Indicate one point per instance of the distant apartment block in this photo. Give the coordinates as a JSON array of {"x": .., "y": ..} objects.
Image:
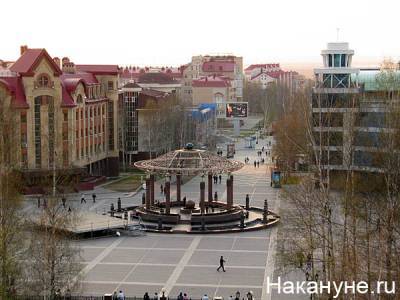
[
  {"x": 225, "y": 67},
  {"x": 266, "y": 74}
]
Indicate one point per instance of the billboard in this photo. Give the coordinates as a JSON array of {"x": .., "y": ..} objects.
[{"x": 236, "y": 110}]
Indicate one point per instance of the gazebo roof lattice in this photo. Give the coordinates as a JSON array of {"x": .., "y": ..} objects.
[{"x": 189, "y": 161}]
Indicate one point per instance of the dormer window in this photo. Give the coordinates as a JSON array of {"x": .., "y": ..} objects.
[
  {"x": 43, "y": 81},
  {"x": 79, "y": 99}
]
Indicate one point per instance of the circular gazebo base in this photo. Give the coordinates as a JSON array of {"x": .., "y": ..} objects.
[{"x": 219, "y": 219}]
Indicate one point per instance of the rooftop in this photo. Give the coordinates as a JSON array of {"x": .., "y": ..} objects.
[{"x": 211, "y": 81}]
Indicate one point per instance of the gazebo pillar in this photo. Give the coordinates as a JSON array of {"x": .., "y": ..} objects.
[
  {"x": 202, "y": 196},
  {"x": 229, "y": 200},
  {"x": 178, "y": 187},
  {"x": 152, "y": 189},
  {"x": 167, "y": 197},
  {"x": 147, "y": 193},
  {"x": 210, "y": 188},
  {"x": 231, "y": 178}
]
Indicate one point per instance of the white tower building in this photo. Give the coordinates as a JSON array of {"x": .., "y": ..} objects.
[{"x": 337, "y": 70}]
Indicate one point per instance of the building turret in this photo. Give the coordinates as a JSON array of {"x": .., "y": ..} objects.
[{"x": 336, "y": 71}]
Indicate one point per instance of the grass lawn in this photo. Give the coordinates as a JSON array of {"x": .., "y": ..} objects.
[{"x": 127, "y": 184}]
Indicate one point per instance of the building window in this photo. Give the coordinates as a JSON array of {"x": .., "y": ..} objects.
[
  {"x": 23, "y": 117},
  {"x": 110, "y": 85},
  {"x": 65, "y": 113},
  {"x": 43, "y": 81},
  {"x": 37, "y": 131},
  {"x": 343, "y": 60},
  {"x": 51, "y": 126},
  {"x": 330, "y": 60},
  {"x": 111, "y": 126},
  {"x": 79, "y": 99}
]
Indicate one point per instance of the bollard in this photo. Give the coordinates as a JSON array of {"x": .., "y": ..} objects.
[
  {"x": 241, "y": 219},
  {"x": 159, "y": 224},
  {"x": 112, "y": 209},
  {"x": 265, "y": 212},
  {"x": 119, "y": 204}
]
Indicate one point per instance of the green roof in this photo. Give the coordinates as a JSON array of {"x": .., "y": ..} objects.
[{"x": 376, "y": 80}]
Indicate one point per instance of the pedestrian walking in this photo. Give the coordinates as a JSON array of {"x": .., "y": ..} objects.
[
  {"x": 94, "y": 198},
  {"x": 250, "y": 295},
  {"x": 184, "y": 201},
  {"x": 161, "y": 189},
  {"x": 156, "y": 297},
  {"x": 262, "y": 149},
  {"x": 83, "y": 198},
  {"x": 205, "y": 297},
  {"x": 216, "y": 196},
  {"x": 146, "y": 296},
  {"x": 255, "y": 164},
  {"x": 221, "y": 264},
  {"x": 163, "y": 297},
  {"x": 115, "y": 295},
  {"x": 63, "y": 200},
  {"x": 220, "y": 178},
  {"x": 69, "y": 209},
  {"x": 180, "y": 296},
  {"x": 121, "y": 296},
  {"x": 258, "y": 164},
  {"x": 38, "y": 202},
  {"x": 143, "y": 198},
  {"x": 185, "y": 296}
]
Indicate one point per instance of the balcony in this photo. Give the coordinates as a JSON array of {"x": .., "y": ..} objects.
[{"x": 37, "y": 85}]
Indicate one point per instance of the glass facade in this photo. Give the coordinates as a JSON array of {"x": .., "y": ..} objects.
[
  {"x": 130, "y": 121},
  {"x": 37, "y": 131},
  {"x": 51, "y": 130},
  {"x": 110, "y": 126}
]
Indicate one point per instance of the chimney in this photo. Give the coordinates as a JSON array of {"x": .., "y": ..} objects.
[
  {"x": 23, "y": 49},
  {"x": 57, "y": 61},
  {"x": 68, "y": 66}
]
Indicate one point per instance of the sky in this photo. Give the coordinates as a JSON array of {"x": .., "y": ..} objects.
[{"x": 169, "y": 32}]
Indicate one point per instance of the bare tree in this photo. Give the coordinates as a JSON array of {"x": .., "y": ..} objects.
[
  {"x": 11, "y": 249},
  {"x": 54, "y": 259}
]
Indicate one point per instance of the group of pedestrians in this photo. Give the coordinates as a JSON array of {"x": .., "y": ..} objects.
[
  {"x": 184, "y": 296},
  {"x": 216, "y": 178},
  {"x": 83, "y": 199},
  {"x": 118, "y": 296}
]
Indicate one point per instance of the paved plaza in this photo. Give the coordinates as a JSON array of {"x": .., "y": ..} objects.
[
  {"x": 182, "y": 262},
  {"x": 188, "y": 263}
]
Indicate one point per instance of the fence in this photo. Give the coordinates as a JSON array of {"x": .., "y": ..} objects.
[{"x": 81, "y": 298}]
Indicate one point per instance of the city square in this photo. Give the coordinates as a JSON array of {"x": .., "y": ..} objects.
[
  {"x": 188, "y": 263},
  {"x": 199, "y": 150}
]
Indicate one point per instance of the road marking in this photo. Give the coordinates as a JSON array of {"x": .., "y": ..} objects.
[
  {"x": 181, "y": 265},
  {"x": 98, "y": 258},
  {"x": 270, "y": 264}
]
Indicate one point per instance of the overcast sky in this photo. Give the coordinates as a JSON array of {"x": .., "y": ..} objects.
[{"x": 169, "y": 32}]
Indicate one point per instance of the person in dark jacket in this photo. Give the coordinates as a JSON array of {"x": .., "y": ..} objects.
[{"x": 221, "y": 264}]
